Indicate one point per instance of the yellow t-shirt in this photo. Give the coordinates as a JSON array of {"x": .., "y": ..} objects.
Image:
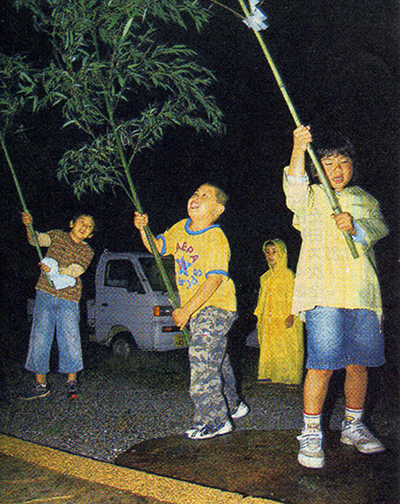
[{"x": 198, "y": 254}]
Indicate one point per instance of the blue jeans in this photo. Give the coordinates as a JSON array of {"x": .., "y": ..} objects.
[
  {"x": 57, "y": 314},
  {"x": 338, "y": 337}
]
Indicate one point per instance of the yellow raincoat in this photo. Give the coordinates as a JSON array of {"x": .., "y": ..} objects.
[{"x": 281, "y": 348}]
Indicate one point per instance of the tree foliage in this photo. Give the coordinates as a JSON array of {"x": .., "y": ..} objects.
[
  {"x": 17, "y": 87},
  {"x": 117, "y": 82}
]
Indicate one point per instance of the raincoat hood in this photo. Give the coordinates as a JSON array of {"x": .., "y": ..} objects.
[{"x": 281, "y": 253}]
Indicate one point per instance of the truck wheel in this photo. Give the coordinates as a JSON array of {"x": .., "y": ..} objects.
[{"x": 123, "y": 346}]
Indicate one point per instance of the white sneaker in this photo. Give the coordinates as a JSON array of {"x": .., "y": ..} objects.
[
  {"x": 240, "y": 410},
  {"x": 356, "y": 433},
  {"x": 208, "y": 431},
  {"x": 311, "y": 453},
  {"x": 194, "y": 429}
]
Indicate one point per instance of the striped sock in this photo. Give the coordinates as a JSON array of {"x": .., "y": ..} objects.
[
  {"x": 353, "y": 415},
  {"x": 313, "y": 421}
]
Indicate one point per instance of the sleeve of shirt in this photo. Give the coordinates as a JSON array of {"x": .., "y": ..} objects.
[
  {"x": 74, "y": 270},
  {"x": 372, "y": 225},
  {"x": 261, "y": 298},
  {"x": 168, "y": 239},
  {"x": 84, "y": 258},
  {"x": 219, "y": 255},
  {"x": 44, "y": 239},
  {"x": 164, "y": 244},
  {"x": 298, "y": 192},
  {"x": 360, "y": 236}
]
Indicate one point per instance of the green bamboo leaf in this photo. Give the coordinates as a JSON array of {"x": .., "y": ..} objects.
[
  {"x": 127, "y": 27},
  {"x": 123, "y": 92}
]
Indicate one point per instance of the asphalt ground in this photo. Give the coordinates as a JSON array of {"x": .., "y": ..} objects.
[
  {"x": 30, "y": 473},
  {"x": 245, "y": 467}
]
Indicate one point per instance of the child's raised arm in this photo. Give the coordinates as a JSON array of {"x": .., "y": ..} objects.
[
  {"x": 141, "y": 221},
  {"x": 43, "y": 239},
  {"x": 301, "y": 138}
]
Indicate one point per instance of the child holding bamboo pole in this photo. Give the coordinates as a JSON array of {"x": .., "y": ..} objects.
[
  {"x": 208, "y": 300},
  {"x": 58, "y": 292},
  {"x": 338, "y": 296}
]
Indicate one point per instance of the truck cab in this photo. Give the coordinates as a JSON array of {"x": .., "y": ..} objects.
[{"x": 131, "y": 308}]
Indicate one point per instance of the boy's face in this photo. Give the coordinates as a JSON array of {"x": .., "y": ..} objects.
[
  {"x": 271, "y": 255},
  {"x": 82, "y": 228},
  {"x": 338, "y": 169},
  {"x": 203, "y": 205}
]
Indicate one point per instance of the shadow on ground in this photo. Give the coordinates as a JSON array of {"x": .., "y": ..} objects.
[{"x": 263, "y": 464}]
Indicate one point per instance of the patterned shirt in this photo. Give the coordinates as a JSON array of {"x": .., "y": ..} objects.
[
  {"x": 327, "y": 274},
  {"x": 199, "y": 254},
  {"x": 65, "y": 251}
]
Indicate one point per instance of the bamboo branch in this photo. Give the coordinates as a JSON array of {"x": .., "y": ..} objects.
[
  {"x": 138, "y": 206},
  {"x": 334, "y": 202}
]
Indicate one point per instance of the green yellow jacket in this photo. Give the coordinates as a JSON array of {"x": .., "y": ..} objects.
[{"x": 327, "y": 274}]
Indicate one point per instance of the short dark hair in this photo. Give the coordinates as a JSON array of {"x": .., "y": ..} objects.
[
  {"x": 77, "y": 215},
  {"x": 220, "y": 195},
  {"x": 330, "y": 142}
]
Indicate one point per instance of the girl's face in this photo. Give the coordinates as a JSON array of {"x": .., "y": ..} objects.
[
  {"x": 271, "y": 255},
  {"x": 338, "y": 169}
]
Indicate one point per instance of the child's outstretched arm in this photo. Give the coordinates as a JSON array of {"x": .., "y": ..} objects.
[
  {"x": 301, "y": 138},
  {"x": 182, "y": 315},
  {"x": 141, "y": 221}
]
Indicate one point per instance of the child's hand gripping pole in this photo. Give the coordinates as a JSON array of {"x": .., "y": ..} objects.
[{"x": 320, "y": 171}]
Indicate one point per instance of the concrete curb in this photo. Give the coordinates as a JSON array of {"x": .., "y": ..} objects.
[{"x": 137, "y": 482}]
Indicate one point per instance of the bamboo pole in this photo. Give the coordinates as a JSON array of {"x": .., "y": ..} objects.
[
  {"x": 24, "y": 207},
  {"x": 334, "y": 202},
  {"x": 149, "y": 234},
  {"x": 160, "y": 265}
]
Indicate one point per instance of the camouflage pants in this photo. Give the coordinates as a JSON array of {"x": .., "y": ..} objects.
[{"x": 212, "y": 383}]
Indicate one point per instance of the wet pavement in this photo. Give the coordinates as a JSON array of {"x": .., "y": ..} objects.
[
  {"x": 246, "y": 467},
  {"x": 264, "y": 464},
  {"x": 34, "y": 474}
]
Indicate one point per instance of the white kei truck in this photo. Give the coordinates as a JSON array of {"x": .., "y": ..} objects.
[{"x": 131, "y": 309}]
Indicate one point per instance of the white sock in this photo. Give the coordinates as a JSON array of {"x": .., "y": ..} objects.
[
  {"x": 353, "y": 415},
  {"x": 313, "y": 421}
]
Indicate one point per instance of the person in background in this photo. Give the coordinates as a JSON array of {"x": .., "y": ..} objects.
[
  {"x": 280, "y": 334},
  {"x": 58, "y": 292},
  {"x": 338, "y": 294}
]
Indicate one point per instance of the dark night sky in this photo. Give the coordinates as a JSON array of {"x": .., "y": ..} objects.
[{"x": 339, "y": 60}]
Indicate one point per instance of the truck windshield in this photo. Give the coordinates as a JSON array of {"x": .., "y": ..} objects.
[{"x": 153, "y": 274}]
